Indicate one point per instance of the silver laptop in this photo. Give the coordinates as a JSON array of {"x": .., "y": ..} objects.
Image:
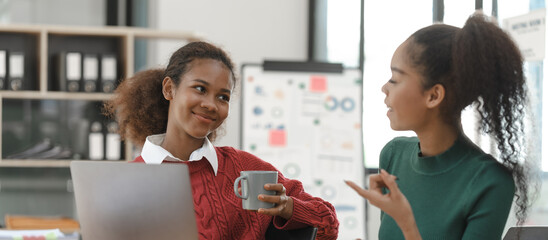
[
  {"x": 527, "y": 233},
  {"x": 120, "y": 200}
]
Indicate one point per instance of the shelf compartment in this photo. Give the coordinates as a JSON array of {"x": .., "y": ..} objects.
[
  {"x": 25, "y": 44},
  {"x": 57, "y": 127},
  {"x": 97, "y": 46}
]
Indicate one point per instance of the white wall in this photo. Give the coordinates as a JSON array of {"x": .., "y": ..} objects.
[
  {"x": 82, "y": 12},
  {"x": 249, "y": 30}
]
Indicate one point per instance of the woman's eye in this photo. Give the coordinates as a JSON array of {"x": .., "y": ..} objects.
[
  {"x": 391, "y": 81},
  {"x": 200, "y": 88},
  {"x": 224, "y": 98}
]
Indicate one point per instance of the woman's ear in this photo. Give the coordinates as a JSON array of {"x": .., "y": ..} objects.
[
  {"x": 435, "y": 95},
  {"x": 167, "y": 88}
]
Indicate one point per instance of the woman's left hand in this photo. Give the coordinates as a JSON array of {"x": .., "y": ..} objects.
[
  {"x": 393, "y": 203},
  {"x": 283, "y": 204}
]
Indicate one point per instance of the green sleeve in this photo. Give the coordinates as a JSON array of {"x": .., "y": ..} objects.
[
  {"x": 386, "y": 155},
  {"x": 491, "y": 195}
]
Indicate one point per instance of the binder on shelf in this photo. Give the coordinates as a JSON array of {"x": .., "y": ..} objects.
[
  {"x": 96, "y": 142},
  {"x": 3, "y": 69},
  {"x": 70, "y": 71},
  {"x": 16, "y": 70},
  {"x": 90, "y": 72},
  {"x": 108, "y": 73},
  {"x": 113, "y": 144},
  {"x": 73, "y": 71}
]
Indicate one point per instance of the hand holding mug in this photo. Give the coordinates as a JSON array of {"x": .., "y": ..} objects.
[
  {"x": 283, "y": 203},
  {"x": 261, "y": 192}
]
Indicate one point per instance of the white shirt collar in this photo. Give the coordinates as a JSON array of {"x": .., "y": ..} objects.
[{"x": 154, "y": 153}]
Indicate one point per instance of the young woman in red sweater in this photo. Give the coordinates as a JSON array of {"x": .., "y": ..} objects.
[{"x": 175, "y": 113}]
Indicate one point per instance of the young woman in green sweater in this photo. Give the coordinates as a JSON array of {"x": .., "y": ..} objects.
[{"x": 440, "y": 185}]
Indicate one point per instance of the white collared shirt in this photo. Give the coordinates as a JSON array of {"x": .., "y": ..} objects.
[{"x": 154, "y": 153}]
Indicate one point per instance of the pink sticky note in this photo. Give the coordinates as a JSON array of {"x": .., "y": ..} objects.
[
  {"x": 34, "y": 238},
  {"x": 277, "y": 138},
  {"x": 318, "y": 84}
]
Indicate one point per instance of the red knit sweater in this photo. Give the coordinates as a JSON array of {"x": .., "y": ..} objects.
[{"x": 219, "y": 213}]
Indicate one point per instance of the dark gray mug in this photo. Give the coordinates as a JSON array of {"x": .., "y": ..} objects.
[{"x": 252, "y": 185}]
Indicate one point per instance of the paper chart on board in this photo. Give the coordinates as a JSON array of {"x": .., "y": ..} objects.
[{"x": 308, "y": 125}]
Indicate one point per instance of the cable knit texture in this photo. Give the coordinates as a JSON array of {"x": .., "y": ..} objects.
[{"x": 219, "y": 213}]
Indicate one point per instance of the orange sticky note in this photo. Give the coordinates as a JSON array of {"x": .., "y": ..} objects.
[
  {"x": 318, "y": 84},
  {"x": 277, "y": 138}
]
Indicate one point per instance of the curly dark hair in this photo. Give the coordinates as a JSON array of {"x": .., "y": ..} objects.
[
  {"x": 139, "y": 106},
  {"x": 480, "y": 64}
]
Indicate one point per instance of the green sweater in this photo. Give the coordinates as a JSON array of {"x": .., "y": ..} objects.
[{"x": 462, "y": 193}]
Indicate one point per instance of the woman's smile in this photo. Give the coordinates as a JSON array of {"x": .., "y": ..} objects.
[{"x": 204, "y": 117}]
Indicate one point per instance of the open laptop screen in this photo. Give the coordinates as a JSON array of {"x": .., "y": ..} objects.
[{"x": 120, "y": 200}]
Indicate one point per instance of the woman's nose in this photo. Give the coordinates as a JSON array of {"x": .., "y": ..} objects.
[
  {"x": 209, "y": 104},
  {"x": 383, "y": 89}
]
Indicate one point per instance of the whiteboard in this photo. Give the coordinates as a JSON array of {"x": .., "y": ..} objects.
[{"x": 308, "y": 125}]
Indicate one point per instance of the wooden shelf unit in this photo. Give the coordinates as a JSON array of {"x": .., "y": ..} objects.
[{"x": 42, "y": 34}]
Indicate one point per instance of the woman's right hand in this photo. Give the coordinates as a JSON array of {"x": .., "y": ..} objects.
[{"x": 394, "y": 203}]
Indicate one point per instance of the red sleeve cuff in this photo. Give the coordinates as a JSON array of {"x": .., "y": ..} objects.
[{"x": 297, "y": 219}]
